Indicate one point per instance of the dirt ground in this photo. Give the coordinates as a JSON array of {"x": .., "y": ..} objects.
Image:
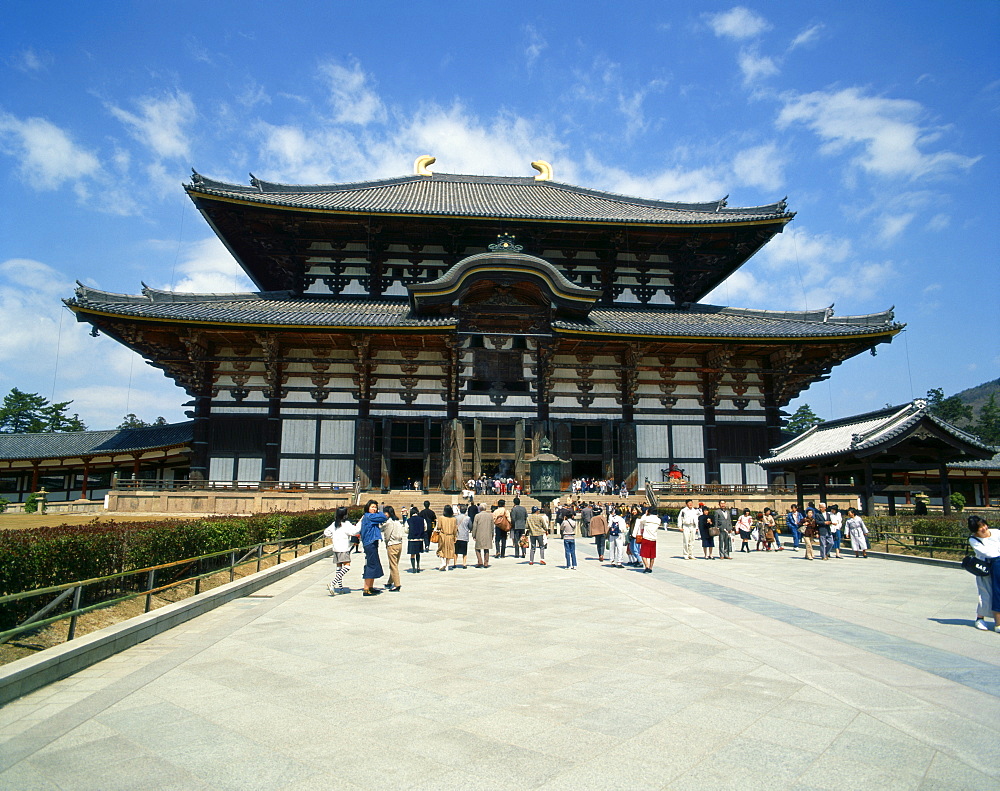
[{"x": 22, "y": 521}]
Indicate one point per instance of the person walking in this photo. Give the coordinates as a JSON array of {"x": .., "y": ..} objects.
[
  {"x": 793, "y": 519},
  {"x": 586, "y": 514},
  {"x": 518, "y": 527},
  {"x": 462, "y": 524},
  {"x": 856, "y": 529},
  {"x": 371, "y": 534},
  {"x": 340, "y": 532},
  {"x": 646, "y": 531},
  {"x": 538, "y": 528},
  {"x": 416, "y": 529},
  {"x": 771, "y": 525},
  {"x": 447, "y": 529},
  {"x": 430, "y": 519},
  {"x": 567, "y": 529},
  {"x": 482, "y": 534},
  {"x": 392, "y": 535},
  {"x": 985, "y": 542},
  {"x": 810, "y": 534},
  {"x": 501, "y": 527},
  {"x": 617, "y": 530},
  {"x": 744, "y": 526},
  {"x": 825, "y": 536},
  {"x": 836, "y": 525},
  {"x": 705, "y": 527},
  {"x": 688, "y": 521},
  {"x": 599, "y": 530},
  {"x": 723, "y": 521}
]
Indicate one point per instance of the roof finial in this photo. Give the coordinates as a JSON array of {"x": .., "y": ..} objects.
[
  {"x": 422, "y": 163},
  {"x": 544, "y": 170}
]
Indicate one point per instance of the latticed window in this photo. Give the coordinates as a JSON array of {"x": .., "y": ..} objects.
[
  {"x": 407, "y": 438},
  {"x": 498, "y": 438},
  {"x": 586, "y": 440},
  {"x": 504, "y": 366}
]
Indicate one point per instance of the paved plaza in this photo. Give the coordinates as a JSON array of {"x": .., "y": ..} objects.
[{"x": 765, "y": 671}]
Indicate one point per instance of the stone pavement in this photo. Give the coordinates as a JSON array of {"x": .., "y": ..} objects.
[{"x": 765, "y": 671}]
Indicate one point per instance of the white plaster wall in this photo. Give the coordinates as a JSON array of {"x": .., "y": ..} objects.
[
  {"x": 652, "y": 443},
  {"x": 731, "y": 473},
  {"x": 298, "y": 436},
  {"x": 688, "y": 441},
  {"x": 220, "y": 468},
  {"x": 336, "y": 436},
  {"x": 756, "y": 474},
  {"x": 339, "y": 470},
  {"x": 296, "y": 469},
  {"x": 250, "y": 469}
]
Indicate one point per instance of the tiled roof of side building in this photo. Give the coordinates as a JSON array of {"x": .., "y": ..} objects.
[
  {"x": 279, "y": 309},
  {"x": 66, "y": 445},
  {"x": 444, "y": 194},
  {"x": 861, "y": 433}
]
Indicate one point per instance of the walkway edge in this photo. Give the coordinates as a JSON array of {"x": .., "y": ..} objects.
[{"x": 32, "y": 672}]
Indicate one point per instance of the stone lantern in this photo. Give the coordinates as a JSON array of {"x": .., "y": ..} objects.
[{"x": 546, "y": 475}]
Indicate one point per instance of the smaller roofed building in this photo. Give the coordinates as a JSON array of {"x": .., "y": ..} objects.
[
  {"x": 83, "y": 464},
  {"x": 891, "y": 453}
]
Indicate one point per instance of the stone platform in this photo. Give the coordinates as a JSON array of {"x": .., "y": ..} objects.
[{"x": 763, "y": 672}]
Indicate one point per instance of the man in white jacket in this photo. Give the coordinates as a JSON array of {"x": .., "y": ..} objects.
[{"x": 688, "y": 521}]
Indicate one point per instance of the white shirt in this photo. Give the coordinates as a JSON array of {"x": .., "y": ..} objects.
[
  {"x": 836, "y": 521},
  {"x": 688, "y": 517},
  {"x": 341, "y": 536},
  {"x": 647, "y": 527},
  {"x": 986, "y": 548}
]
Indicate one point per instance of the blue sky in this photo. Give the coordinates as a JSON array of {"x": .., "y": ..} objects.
[{"x": 878, "y": 120}]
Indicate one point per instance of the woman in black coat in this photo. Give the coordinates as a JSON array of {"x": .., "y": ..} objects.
[
  {"x": 416, "y": 529},
  {"x": 705, "y": 529}
]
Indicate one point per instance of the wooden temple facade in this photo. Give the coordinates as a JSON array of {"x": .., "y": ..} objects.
[{"x": 434, "y": 327}]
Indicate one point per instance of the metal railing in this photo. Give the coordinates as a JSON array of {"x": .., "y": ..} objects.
[
  {"x": 916, "y": 543},
  {"x": 674, "y": 488},
  {"x": 148, "y": 582},
  {"x": 157, "y": 485}
]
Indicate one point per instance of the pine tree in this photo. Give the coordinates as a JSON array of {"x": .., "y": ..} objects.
[
  {"x": 131, "y": 420},
  {"x": 953, "y": 409},
  {"x": 30, "y": 413},
  {"x": 988, "y": 424},
  {"x": 802, "y": 419}
]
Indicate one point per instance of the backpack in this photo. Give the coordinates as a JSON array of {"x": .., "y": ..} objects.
[{"x": 501, "y": 521}]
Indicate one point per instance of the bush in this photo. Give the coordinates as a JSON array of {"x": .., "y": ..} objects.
[
  {"x": 4, "y": 502},
  {"x": 957, "y": 501},
  {"x": 31, "y": 504},
  {"x": 46, "y": 556}
]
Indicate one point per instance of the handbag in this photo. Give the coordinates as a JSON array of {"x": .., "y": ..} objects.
[
  {"x": 974, "y": 565},
  {"x": 713, "y": 531},
  {"x": 435, "y": 536}
]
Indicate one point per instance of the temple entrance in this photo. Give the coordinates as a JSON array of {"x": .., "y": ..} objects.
[
  {"x": 583, "y": 468},
  {"x": 407, "y": 473}
]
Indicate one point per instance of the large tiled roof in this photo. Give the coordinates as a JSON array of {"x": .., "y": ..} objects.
[
  {"x": 281, "y": 309},
  {"x": 863, "y": 433},
  {"x": 66, "y": 445},
  {"x": 444, "y": 194}
]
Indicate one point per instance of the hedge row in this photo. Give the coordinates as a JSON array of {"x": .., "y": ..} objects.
[{"x": 44, "y": 556}]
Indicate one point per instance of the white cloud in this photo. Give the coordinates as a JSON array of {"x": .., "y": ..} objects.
[
  {"x": 760, "y": 166},
  {"x": 807, "y": 36},
  {"x": 536, "y": 45},
  {"x": 756, "y": 66},
  {"x": 208, "y": 267},
  {"x": 352, "y": 99},
  {"x": 738, "y": 23},
  {"x": 938, "y": 222},
  {"x": 889, "y": 132},
  {"x": 29, "y": 61},
  {"x": 48, "y": 155},
  {"x": 671, "y": 183},
  {"x": 160, "y": 123},
  {"x": 891, "y": 226},
  {"x": 798, "y": 270}
]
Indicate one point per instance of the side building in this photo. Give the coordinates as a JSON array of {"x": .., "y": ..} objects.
[{"x": 434, "y": 327}]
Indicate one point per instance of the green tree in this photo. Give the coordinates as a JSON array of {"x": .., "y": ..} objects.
[
  {"x": 30, "y": 413},
  {"x": 988, "y": 424},
  {"x": 131, "y": 420},
  {"x": 802, "y": 419},
  {"x": 953, "y": 409}
]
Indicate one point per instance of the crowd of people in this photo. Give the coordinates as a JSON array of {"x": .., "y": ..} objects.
[
  {"x": 599, "y": 486},
  {"x": 623, "y": 535}
]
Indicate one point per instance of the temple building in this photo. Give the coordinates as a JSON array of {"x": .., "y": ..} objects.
[{"x": 434, "y": 327}]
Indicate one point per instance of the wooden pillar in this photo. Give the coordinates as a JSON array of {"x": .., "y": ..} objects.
[
  {"x": 426, "y": 477},
  {"x": 34, "y": 476},
  {"x": 869, "y": 490},
  {"x": 713, "y": 471},
  {"x": 772, "y": 414},
  {"x": 892, "y": 504},
  {"x": 821, "y": 479},
  {"x": 86, "y": 474},
  {"x": 453, "y": 354},
  {"x": 607, "y": 443},
  {"x": 363, "y": 453},
  {"x": 200, "y": 431},
  {"x": 906, "y": 482},
  {"x": 945, "y": 489},
  {"x": 800, "y": 501},
  {"x": 272, "y": 434},
  {"x": 986, "y": 490},
  {"x": 630, "y": 462},
  {"x": 520, "y": 467},
  {"x": 477, "y": 448},
  {"x": 386, "y": 482}
]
